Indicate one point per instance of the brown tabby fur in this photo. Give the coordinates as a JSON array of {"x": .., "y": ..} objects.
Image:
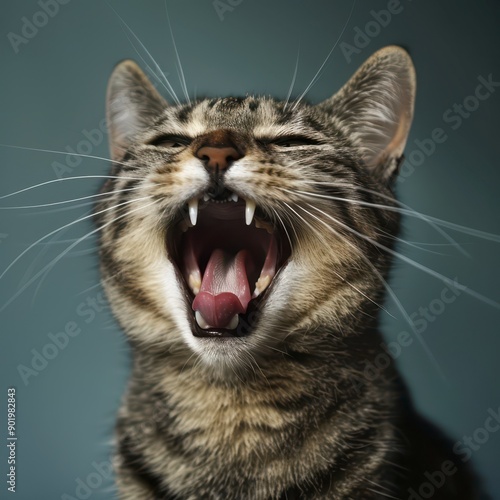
[{"x": 283, "y": 409}]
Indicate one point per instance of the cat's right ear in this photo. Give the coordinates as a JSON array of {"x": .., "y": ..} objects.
[
  {"x": 375, "y": 108},
  {"x": 132, "y": 103}
]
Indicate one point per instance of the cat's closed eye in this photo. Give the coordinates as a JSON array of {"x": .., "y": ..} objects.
[
  {"x": 171, "y": 141},
  {"x": 291, "y": 141}
]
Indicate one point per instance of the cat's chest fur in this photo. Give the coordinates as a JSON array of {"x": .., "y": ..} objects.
[{"x": 259, "y": 440}]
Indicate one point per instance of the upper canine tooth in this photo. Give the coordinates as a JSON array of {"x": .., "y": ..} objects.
[
  {"x": 206, "y": 197},
  {"x": 234, "y": 197},
  {"x": 193, "y": 210},
  {"x": 249, "y": 211}
]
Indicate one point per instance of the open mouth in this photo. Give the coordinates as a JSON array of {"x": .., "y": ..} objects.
[{"x": 227, "y": 254}]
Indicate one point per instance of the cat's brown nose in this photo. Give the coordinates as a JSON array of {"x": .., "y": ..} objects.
[{"x": 218, "y": 158}]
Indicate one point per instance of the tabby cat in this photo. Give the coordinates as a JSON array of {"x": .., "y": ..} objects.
[{"x": 245, "y": 246}]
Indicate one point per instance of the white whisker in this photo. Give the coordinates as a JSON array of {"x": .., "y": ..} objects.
[
  {"x": 404, "y": 211},
  {"x": 316, "y": 76},
  {"x": 62, "y": 254},
  {"x": 382, "y": 493},
  {"x": 389, "y": 289},
  {"x": 407, "y": 210},
  {"x": 98, "y": 284},
  {"x": 284, "y": 227},
  {"x": 39, "y": 286},
  {"x": 59, "y": 242},
  {"x": 335, "y": 272},
  {"x": 181, "y": 75},
  {"x": 167, "y": 87},
  {"x": 72, "y": 200},
  {"x": 68, "y": 179},
  {"x": 66, "y": 153},
  {"x": 65, "y": 226},
  {"x": 412, "y": 244},
  {"x": 290, "y": 90},
  {"x": 34, "y": 261},
  {"x": 402, "y": 257}
]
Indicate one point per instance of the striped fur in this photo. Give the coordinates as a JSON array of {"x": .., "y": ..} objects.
[{"x": 287, "y": 410}]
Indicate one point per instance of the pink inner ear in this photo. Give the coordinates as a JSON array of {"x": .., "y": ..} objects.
[
  {"x": 132, "y": 103},
  {"x": 376, "y": 105}
]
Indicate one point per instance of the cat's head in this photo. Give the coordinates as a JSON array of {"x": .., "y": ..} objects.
[{"x": 244, "y": 227}]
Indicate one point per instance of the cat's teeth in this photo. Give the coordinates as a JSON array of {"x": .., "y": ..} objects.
[
  {"x": 249, "y": 211},
  {"x": 263, "y": 225},
  {"x": 201, "y": 321},
  {"x": 194, "y": 281},
  {"x": 234, "y": 197},
  {"x": 203, "y": 324},
  {"x": 261, "y": 285},
  {"x": 233, "y": 323},
  {"x": 206, "y": 197},
  {"x": 193, "y": 210}
]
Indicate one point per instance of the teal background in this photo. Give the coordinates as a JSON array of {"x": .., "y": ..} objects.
[{"x": 53, "y": 91}]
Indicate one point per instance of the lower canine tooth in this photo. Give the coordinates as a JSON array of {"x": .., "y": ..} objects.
[
  {"x": 249, "y": 211},
  {"x": 262, "y": 225},
  {"x": 201, "y": 321},
  {"x": 233, "y": 323}
]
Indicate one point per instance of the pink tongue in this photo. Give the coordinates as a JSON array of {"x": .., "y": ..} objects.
[{"x": 224, "y": 290}]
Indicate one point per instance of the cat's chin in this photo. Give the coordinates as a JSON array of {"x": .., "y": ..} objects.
[
  {"x": 226, "y": 265},
  {"x": 247, "y": 322}
]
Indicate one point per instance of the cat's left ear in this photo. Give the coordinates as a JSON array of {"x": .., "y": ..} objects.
[
  {"x": 132, "y": 104},
  {"x": 376, "y": 107}
]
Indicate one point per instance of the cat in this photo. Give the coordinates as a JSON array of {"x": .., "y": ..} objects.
[{"x": 244, "y": 251}]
